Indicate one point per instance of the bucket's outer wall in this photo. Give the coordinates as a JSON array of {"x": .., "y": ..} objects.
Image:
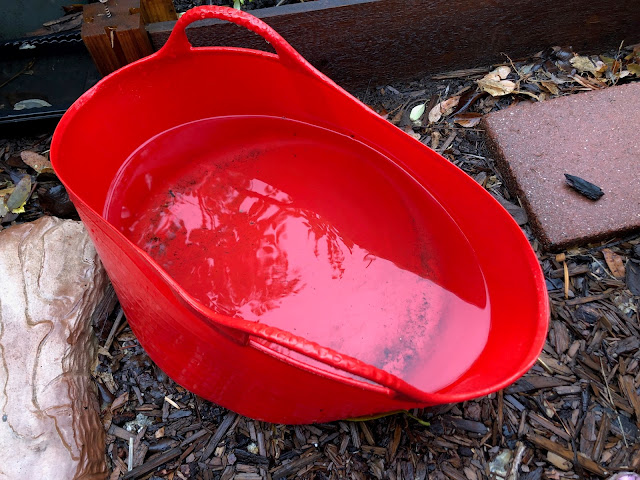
[{"x": 139, "y": 101}]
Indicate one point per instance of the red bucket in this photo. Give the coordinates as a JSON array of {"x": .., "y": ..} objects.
[{"x": 281, "y": 250}]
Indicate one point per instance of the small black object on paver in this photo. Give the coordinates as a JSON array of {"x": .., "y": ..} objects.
[{"x": 583, "y": 187}]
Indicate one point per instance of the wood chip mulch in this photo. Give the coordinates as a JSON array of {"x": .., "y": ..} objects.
[{"x": 575, "y": 414}]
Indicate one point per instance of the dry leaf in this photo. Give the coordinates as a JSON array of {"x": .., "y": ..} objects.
[
  {"x": 120, "y": 401},
  {"x": 409, "y": 131},
  {"x": 525, "y": 92},
  {"x": 443, "y": 108},
  {"x": 107, "y": 379},
  {"x": 609, "y": 61},
  {"x": 615, "y": 263},
  {"x": 7, "y": 191},
  {"x": 503, "y": 72},
  {"x": 468, "y": 120},
  {"x": 31, "y": 103},
  {"x": 551, "y": 87},
  {"x": 498, "y": 74},
  {"x": 634, "y": 69},
  {"x": 435, "y": 140},
  {"x": 496, "y": 88},
  {"x": 104, "y": 351},
  {"x": 20, "y": 195},
  {"x": 36, "y": 161},
  {"x": 585, "y": 64},
  {"x": 495, "y": 84},
  {"x": 587, "y": 83},
  {"x": 601, "y": 67}
]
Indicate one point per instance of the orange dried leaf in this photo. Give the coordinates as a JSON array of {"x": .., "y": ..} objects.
[
  {"x": 496, "y": 88},
  {"x": 36, "y": 161},
  {"x": 120, "y": 401},
  {"x": 591, "y": 84},
  {"x": 443, "y": 108},
  {"x": 468, "y": 120},
  {"x": 615, "y": 263},
  {"x": 551, "y": 87}
]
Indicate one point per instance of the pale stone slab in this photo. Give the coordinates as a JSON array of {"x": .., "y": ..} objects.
[{"x": 50, "y": 283}]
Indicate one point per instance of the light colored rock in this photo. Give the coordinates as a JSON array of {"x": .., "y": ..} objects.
[{"x": 50, "y": 282}]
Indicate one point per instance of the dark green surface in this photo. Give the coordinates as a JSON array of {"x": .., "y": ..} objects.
[
  {"x": 18, "y": 17},
  {"x": 61, "y": 72}
]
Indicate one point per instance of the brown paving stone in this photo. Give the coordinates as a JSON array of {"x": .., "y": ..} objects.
[{"x": 594, "y": 135}]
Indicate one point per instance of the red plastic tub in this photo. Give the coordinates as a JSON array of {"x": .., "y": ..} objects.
[{"x": 281, "y": 250}]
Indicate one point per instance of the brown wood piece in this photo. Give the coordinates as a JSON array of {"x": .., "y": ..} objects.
[
  {"x": 380, "y": 451},
  {"x": 367, "y": 433},
  {"x": 468, "y": 425},
  {"x": 591, "y": 298},
  {"x": 549, "y": 426},
  {"x": 229, "y": 418},
  {"x": 603, "y": 432},
  {"x": 627, "y": 387},
  {"x": 534, "y": 382},
  {"x": 567, "y": 454},
  {"x": 157, "y": 11},
  {"x": 393, "y": 448},
  {"x": 452, "y": 473},
  {"x": 153, "y": 463},
  {"x": 115, "y": 41},
  {"x": 573, "y": 271},
  {"x": 295, "y": 465},
  {"x": 360, "y": 43}
]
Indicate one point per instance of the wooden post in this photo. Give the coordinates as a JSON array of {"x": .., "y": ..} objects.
[
  {"x": 157, "y": 11},
  {"x": 116, "y": 40}
]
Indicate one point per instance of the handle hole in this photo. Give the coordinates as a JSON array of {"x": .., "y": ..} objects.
[
  {"x": 217, "y": 33},
  {"x": 201, "y": 34}
]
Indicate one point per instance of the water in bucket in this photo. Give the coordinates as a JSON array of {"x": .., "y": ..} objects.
[{"x": 301, "y": 228}]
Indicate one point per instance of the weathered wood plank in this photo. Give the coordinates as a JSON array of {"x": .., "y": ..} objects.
[
  {"x": 117, "y": 40},
  {"x": 371, "y": 42},
  {"x": 157, "y": 11}
]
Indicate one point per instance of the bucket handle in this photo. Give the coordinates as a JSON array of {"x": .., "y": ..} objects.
[
  {"x": 178, "y": 43},
  {"x": 257, "y": 335}
]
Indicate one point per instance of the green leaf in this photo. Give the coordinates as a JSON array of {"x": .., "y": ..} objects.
[
  {"x": 20, "y": 195},
  {"x": 634, "y": 68},
  {"x": 417, "y": 112}
]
